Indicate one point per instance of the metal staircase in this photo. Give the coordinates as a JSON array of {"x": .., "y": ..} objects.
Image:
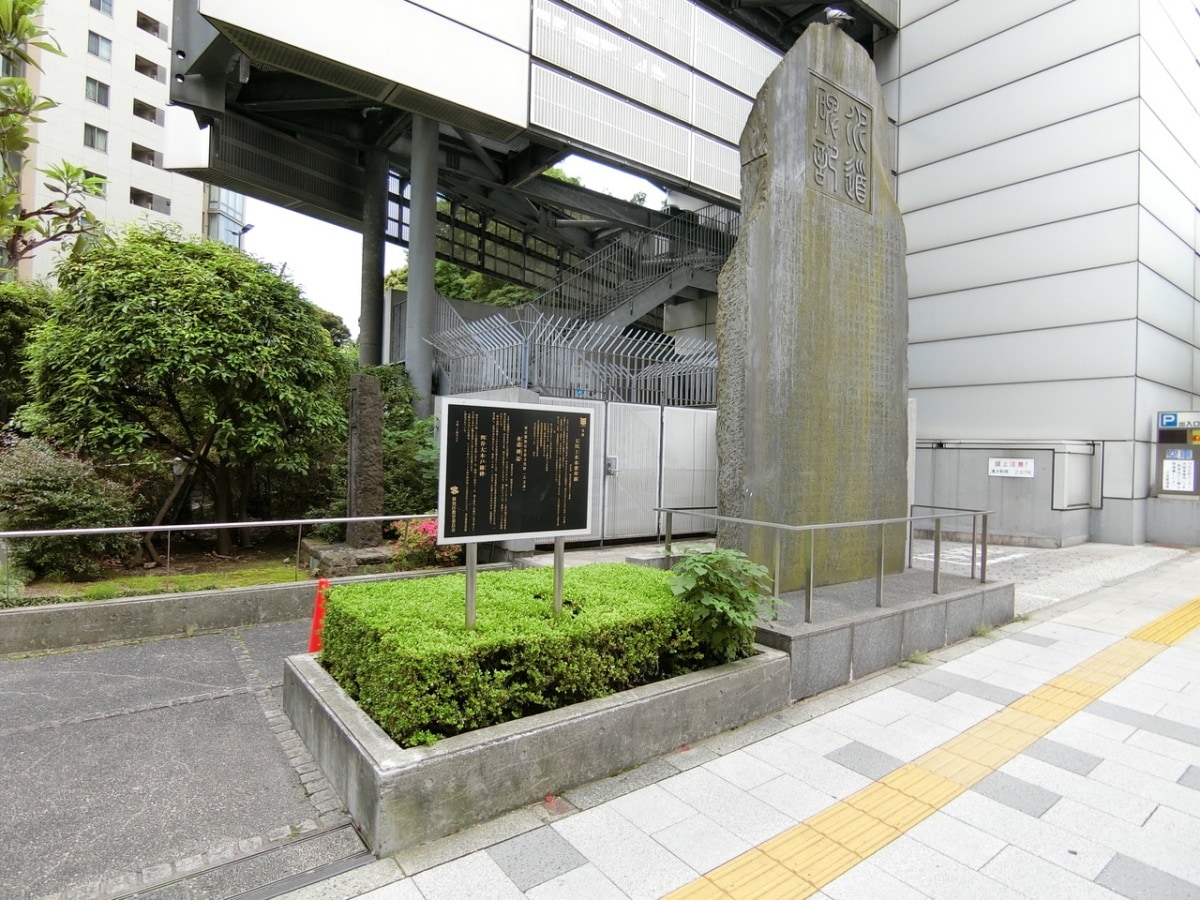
[
  {"x": 639, "y": 272},
  {"x": 573, "y": 340}
]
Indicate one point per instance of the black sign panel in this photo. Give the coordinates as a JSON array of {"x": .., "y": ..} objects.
[{"x": 513, "y": 471}]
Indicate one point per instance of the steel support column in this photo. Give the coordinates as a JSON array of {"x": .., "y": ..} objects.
[
  {"x": 422, "y": 244},
  {"x": 370, "y": 316}
]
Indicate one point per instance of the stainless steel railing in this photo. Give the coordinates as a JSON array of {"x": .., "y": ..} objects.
[{"x": 936, "y": 515}]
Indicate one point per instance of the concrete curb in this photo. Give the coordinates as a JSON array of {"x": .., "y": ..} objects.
[
  {"x": 400, "y": 798},
  {"x": 60, "y": 626}
]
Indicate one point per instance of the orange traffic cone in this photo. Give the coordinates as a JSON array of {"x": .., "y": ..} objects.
[{"x": 314, "y": 636}]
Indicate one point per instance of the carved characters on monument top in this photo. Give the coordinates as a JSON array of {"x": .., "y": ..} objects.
[{"x": 841, "y": 143}]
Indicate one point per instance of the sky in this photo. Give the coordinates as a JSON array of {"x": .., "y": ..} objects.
[{"x": 325, "y": 260}]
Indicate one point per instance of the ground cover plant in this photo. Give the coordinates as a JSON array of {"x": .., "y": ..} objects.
[{"x": 402, "y": 652}]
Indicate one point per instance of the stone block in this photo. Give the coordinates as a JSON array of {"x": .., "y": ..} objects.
[
  {"x": 924, "y": 629},
  {"x": 963, "y": 614},
  {"x": 876, "y": 643}
]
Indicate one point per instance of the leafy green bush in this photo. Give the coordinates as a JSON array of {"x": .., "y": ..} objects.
[
  {"x": 402, "y": 651},
  {"x": 723, "y": 591},
  {"x": 43, "y": 489}
]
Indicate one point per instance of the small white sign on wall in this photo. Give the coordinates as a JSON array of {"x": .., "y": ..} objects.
[{"x": 1010, "y": 468}]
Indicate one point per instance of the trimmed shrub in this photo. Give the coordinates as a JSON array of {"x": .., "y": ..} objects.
[
  {"x": 43, "y": 489},
  {"x": 417, "y": 546},
  {"x": 402, "y": 651}
]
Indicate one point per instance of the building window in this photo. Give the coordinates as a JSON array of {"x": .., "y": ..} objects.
[
  {"x": 96, "y": 91},
  {"x": 145, "y": 111},
  {"x": 100, "y": 46},
  {"x": 151, "y": 26},
  {"x": 147, "y": 200},
  {"x": 103, "y": 187},
  {"x": 146, "y": 156},
  {"x": 104, "y": 6},
  {"x": 143, "y": 66},
  {"x": 96, "y": 138}
]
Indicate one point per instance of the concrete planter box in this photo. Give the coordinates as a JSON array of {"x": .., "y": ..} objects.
[{"x": 400, "y": 798}]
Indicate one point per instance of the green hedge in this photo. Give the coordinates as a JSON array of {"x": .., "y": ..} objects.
[{"x": 401, "y": 650}]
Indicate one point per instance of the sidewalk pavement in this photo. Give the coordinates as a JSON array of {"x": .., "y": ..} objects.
[{"x": 1055, "y": 757}]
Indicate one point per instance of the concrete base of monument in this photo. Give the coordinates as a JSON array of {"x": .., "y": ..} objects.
[
  {"x": 403, "y": 797},
  {"x": 850, "y": 637}
]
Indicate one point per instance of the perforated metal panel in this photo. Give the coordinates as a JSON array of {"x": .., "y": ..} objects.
[
  {"x": 666, "y": 24},
  {"x": 585, "y": 47},
  {"x": 717, "y": 110},
  {"x": 716, "y": 165},
  {"x": 731, "y": 56},
  {"x": 582, "y": 112}
]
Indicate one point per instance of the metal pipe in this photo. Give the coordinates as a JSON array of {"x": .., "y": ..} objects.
[
  {"x": 937, "y": 555},
  {"x": 558, "y": 575},
  {"x": 472, "y": 559},
  {"x": 168, "y": 554},
  {"x": 668, "y": 525},
  {"x": 879, "y": 579},
  {"x": 973, "y": 524},
  {"x": 808, "y": 588},
  {"x": 299, "y": 540},
  {"x": 777, "y": 576},
  {"x": 983, "y": 552}
]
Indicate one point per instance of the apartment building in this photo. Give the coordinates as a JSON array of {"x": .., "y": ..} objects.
[{"x": 111, "y": 88}]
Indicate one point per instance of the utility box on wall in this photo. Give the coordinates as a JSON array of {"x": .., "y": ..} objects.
[{"x": 1177, "y": 448}]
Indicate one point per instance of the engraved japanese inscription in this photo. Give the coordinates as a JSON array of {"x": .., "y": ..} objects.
[{"x": 841, "y": 143}]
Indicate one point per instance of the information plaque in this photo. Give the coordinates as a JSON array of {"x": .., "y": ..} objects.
[{"x": 513, "y": 470}]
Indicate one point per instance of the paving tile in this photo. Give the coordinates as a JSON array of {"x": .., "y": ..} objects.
[
  {"x": 535, "y": 857},
  {"x": 741, "y": 813},
  {"x": 1071, "y": 734},
  {"x": 1037, "y": 640},
  {"x": 812, "y": 769},
  {"x": 1191, "y": 778},
  {"x": 935, "y": 874},
  {"x": 1034, "y": 877},
  {"x": 1063, "y": 756},
  {"x": 906, "y": 747},
  {"x": 1116, "y": 801},
  {"x": 474, "y": 877},
  {"x": 1020, "y": 795},
  {"x": 793, "y": 797},
  {"x": 629, "y": 858},
  {"x": 743, "y": 770},
  {"x": 815, "y": 737},
  {"x": 864, "y": 760},
  {"x": 1165, "y": 746},
  {"x": 1158, "y": 790},
  {"x": 973, "y": 687},
  {"x": 1139, "y": 881},
  {"x": 958, "y": 840},
  {"x": 1042, "y": 838},
  {"x": 867, "y": 880},
  {"x": 585, "y": 883},
  {"x": 701, "y": 843},
  {"x": 651, "y": 809},
  {"x": 923, "y": 687},
  {"x": 397, "y": 890},
  {"x": 1188, "y": 734}
]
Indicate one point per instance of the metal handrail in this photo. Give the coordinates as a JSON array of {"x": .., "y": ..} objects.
[
  {"x": 298, "y": 524},
  {"x": 780, "y": 528}
]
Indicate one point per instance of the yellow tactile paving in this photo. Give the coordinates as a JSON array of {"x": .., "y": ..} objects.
[
  {"x": 804, "y": 859},
  {"x": 1172, "y": 627}
]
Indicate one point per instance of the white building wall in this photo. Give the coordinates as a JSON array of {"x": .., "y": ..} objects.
[
  {"x": 1047, "y": 156},
  {"x": 60, "y": 137}
]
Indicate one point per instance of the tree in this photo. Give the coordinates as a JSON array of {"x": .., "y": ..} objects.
[
  {"x": 24, "y": 230},
  {"x": 23, "y": 305},
  {"x": 184, "y": 349}
]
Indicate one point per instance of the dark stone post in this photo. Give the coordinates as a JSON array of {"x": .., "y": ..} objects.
[{"x": 365, "y": 487}]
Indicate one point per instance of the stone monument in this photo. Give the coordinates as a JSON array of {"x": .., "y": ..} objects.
[{"x": 812, "y": 322}]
